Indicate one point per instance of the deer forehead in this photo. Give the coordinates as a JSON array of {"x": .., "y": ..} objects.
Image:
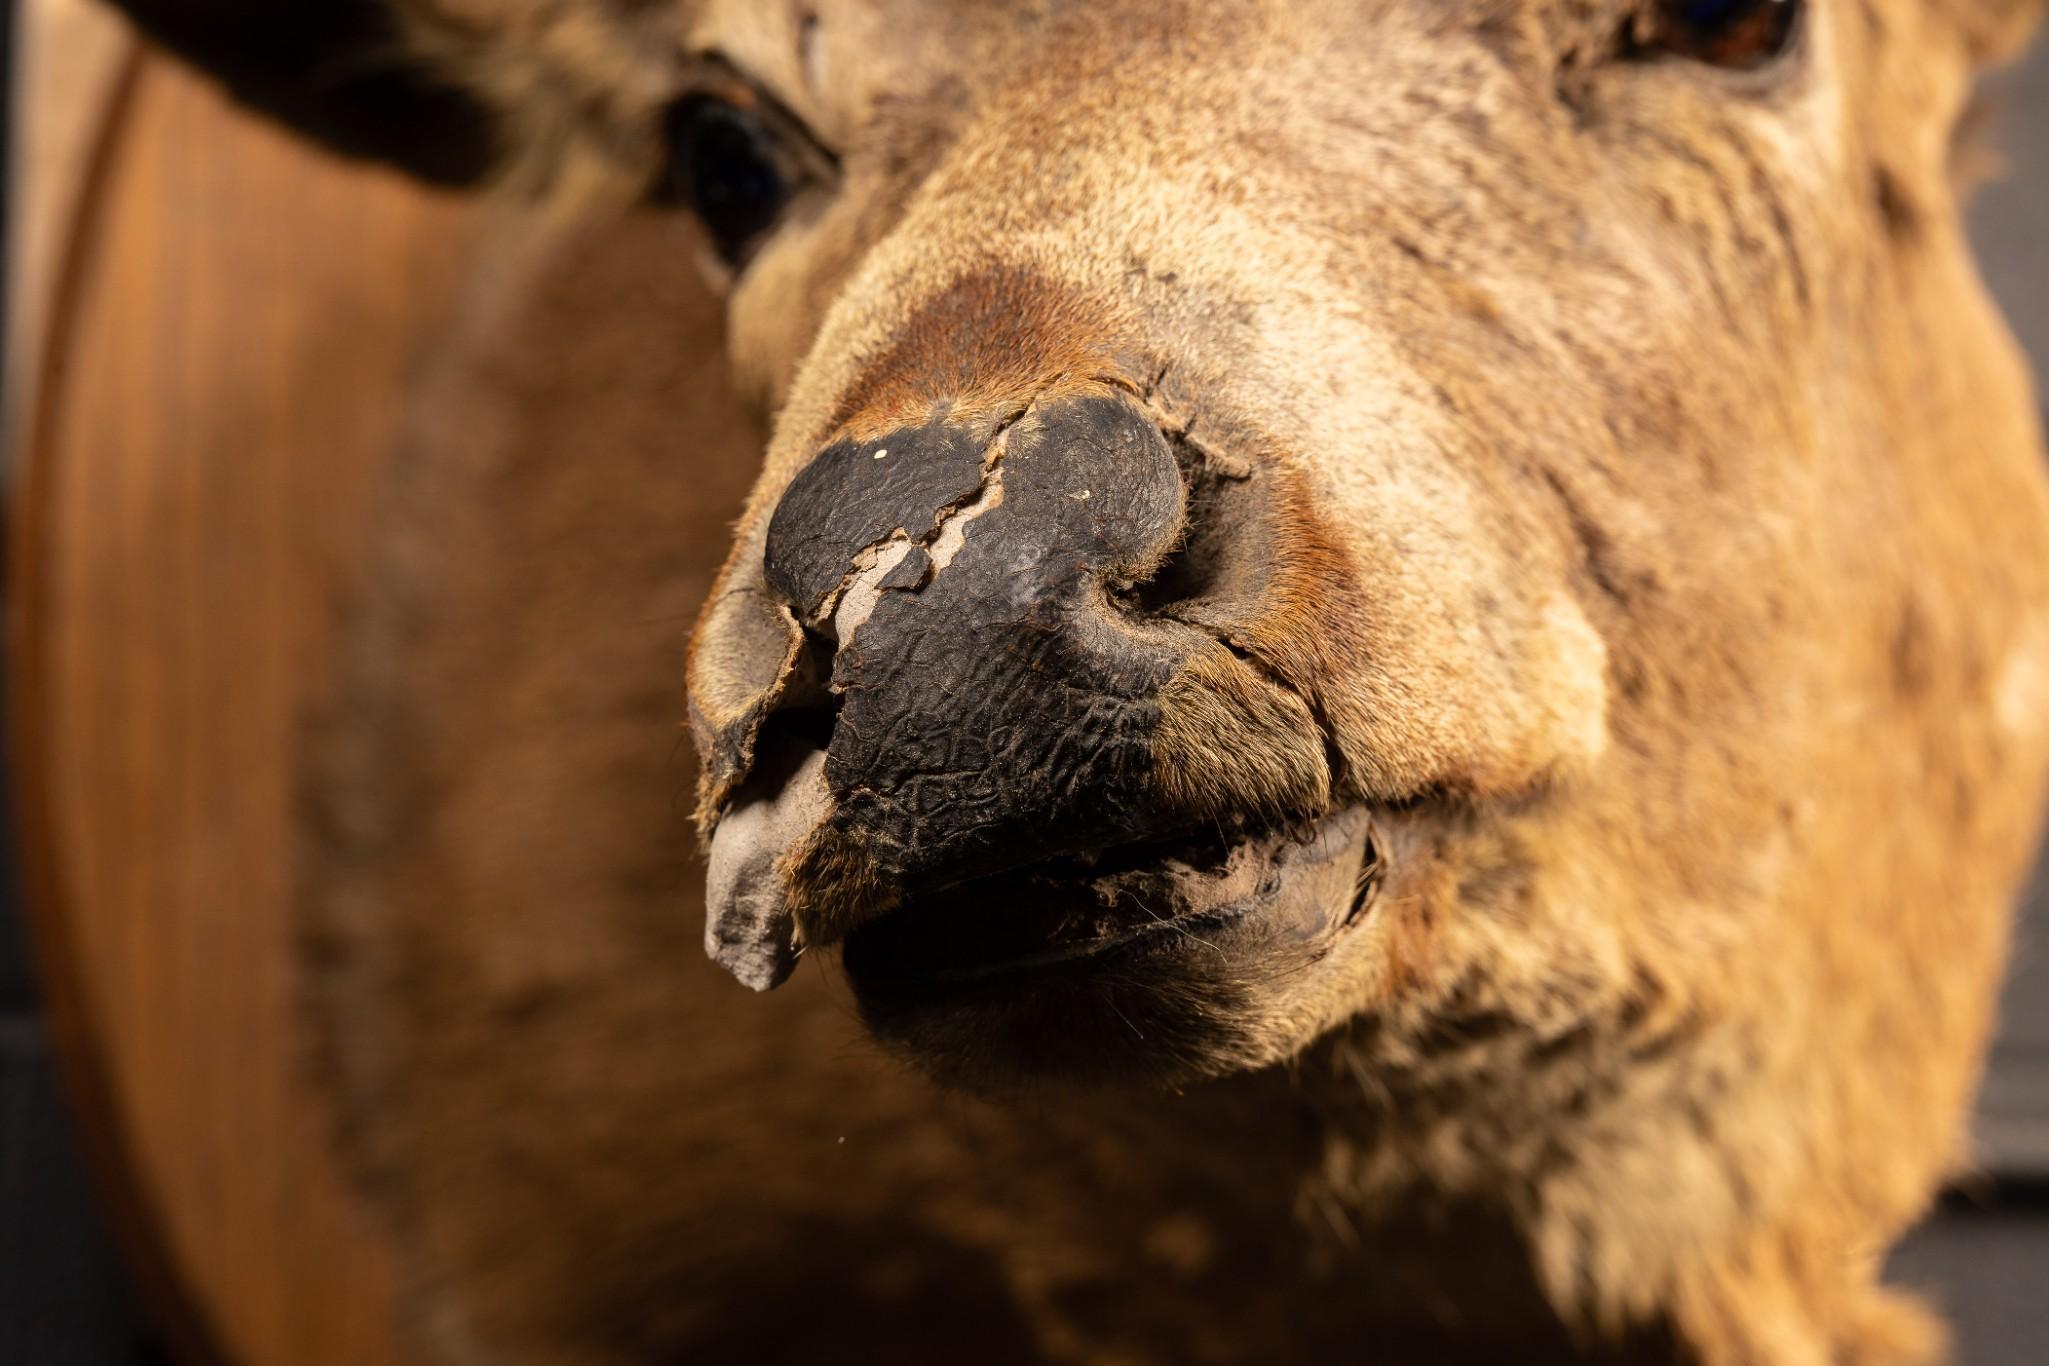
[{"x": 833, "y": 59}]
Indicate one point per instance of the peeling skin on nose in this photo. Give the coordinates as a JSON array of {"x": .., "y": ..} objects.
[
  {"x": 862, "y": 588},
  {"x": 749, "y": 929},
  {"x": 846, "y": 504},
  {"x": 841, "y": 537},
  {"x": 997, "y": 704},
  {"x": 902, "y": 566},
  {"x": 953, "y": 533}
]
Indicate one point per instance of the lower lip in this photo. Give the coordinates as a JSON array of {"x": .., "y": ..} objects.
[
  {"x": 958, "y": 936},
  {"x": 1191, "y": 927}
]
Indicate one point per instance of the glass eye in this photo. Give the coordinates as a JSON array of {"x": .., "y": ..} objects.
[
  {"x": 1727, "y": 33},
  {"x": 728, "y": 166}
]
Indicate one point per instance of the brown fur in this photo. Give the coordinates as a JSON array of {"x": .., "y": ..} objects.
[{"x": 1653, "y": 533}]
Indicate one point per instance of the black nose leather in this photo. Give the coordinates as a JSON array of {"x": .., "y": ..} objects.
[{"x": 996, "y": 703}]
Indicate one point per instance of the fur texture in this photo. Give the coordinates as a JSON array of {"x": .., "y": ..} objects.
[{"x": 1652, "y": 525}]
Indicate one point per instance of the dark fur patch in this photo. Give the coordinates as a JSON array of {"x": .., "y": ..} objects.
[
  {"x": 1896, "y": 206},
  {"x": 749, "y": 1283},
  {"x": 1913, "y": 652},
  {"x": 335, "y": 71},
  {"x": 987, "y": 344}
]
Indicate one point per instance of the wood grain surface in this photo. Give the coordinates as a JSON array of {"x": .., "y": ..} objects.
[
  {"x": 70, "y": 59},
  {"x": 236, "y": 322}
]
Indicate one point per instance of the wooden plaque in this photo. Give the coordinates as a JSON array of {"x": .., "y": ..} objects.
[{"x": 219, "y": 325}]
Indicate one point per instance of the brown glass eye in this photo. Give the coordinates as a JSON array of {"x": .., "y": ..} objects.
[{"x": 1730, "y": 33}]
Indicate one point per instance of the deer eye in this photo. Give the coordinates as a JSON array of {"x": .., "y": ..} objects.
[
  {"x": 1728, "y": 33},
  {"x": 731, "y": 169}
]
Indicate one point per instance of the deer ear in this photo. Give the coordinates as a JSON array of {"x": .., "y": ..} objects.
[
  {"x": 1994, "y": 31},
  {"x": 340, "y": 71}
]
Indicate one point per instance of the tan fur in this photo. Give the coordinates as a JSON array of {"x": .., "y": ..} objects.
[{"x": 1655, "y": 528}]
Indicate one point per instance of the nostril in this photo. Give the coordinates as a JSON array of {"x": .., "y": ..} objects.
[
  {"x": 1210, "y": 560},
  {"x": 1184, "y": 576},
  {"x": 805, "y": 714},
  {"x": 800, "y": 731}
]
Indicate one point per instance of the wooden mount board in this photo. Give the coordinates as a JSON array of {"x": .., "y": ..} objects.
[{"x": 234, "y": 321}]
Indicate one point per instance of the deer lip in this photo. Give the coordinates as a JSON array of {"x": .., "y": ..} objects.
[
  {"x": 1190, "y": 894},
  {"x": 1186, "y": 896}
]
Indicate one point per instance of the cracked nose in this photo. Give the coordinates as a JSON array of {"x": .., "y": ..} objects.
[{"x": 996, "y": 701}]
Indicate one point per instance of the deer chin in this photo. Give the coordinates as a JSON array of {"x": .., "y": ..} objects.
[{"x": 1165, "y": 960}]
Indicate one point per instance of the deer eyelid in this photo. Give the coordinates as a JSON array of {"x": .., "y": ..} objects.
[
  {"x": 715, "y": 74},
  {"x": 739, "y": 159}
]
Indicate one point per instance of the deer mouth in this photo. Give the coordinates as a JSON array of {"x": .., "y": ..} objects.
[
  {"x": 1158, "y": 900},
  {"x": 1165, "y": 958},
  {"x": 1163, "y": 962},
  {"x": 1169, "y": 957}
]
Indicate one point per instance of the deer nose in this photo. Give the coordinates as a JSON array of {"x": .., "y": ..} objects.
[{"x": 994, "y": 697}]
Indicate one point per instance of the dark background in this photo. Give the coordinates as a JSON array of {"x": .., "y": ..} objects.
[{"x": 1985, "y": 1254}]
